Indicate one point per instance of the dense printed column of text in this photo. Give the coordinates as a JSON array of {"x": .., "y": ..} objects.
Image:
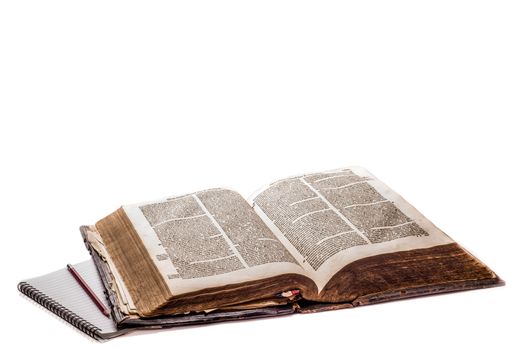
[
  {"x": 325, "y": 213},
  {"x": 212, "y": 232}
]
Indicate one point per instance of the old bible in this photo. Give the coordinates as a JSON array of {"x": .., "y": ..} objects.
[{"x": 317, "y": 241}]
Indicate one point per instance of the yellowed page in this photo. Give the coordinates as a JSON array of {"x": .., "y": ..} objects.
[
  {"x": 209, "y": 239},
  {"x": 330, "y": 219}
]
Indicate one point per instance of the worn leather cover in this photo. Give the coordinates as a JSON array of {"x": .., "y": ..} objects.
[
  {"x": 381, "y": 278},
  {"x": 405, "y": 274}
]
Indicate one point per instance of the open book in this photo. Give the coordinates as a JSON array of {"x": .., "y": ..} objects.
[{"x": 338, "y": 237}]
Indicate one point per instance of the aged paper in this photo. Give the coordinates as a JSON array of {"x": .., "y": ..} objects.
[
  {"x": 125, "y": 302},
  {"x": 313, "y": 224},
  {"x": 209, "y": 239},
  {"x": 330, "y": 219}
]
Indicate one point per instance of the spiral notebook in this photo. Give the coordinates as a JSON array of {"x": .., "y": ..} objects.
[{"x": 61, "y": 294}]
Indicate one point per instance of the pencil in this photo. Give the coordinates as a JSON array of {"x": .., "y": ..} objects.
[{"x": 88, "y": 290}]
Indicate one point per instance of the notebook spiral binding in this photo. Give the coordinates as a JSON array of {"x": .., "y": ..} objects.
[{"x": 59, "y": 310}]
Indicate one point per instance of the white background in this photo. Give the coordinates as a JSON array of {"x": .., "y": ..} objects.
[{"x": 104, "y": 103}]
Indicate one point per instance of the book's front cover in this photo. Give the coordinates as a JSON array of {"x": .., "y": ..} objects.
[{"x": 381, "y": 278}]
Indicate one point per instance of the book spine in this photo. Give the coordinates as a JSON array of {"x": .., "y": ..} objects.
[{"x": 59, "y": 310}]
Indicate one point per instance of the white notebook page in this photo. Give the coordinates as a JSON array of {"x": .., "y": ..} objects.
[{"x": 62, "y": 287}]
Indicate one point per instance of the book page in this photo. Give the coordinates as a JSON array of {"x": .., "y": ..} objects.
[
  {"x": 209, "y": 239},
  {"x": 328, "y": 220}
]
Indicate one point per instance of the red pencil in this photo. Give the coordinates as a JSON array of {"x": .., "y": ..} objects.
[{"x": 88, "y": 290}]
